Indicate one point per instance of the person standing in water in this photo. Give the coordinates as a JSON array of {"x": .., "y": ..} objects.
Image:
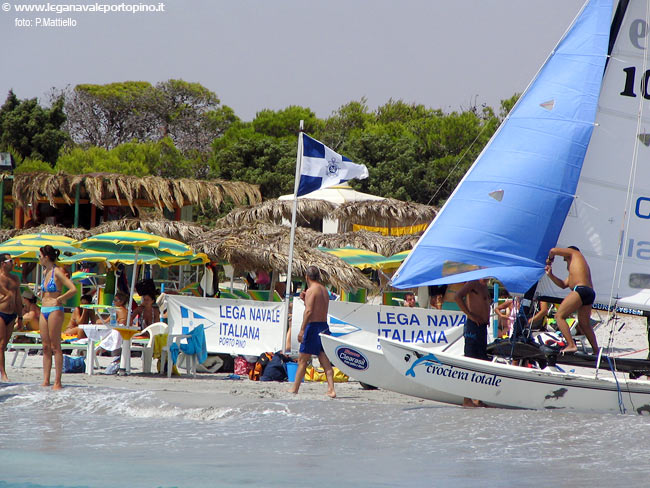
[
  {"x": 473, "y": 299},
  {"x": 314, "y": 321},
  {"x": 11, "y": 306},
  {"x": 51, "y": 319}
]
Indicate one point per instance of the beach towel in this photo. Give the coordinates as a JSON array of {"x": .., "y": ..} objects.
[{"x": 195, "y": 345}]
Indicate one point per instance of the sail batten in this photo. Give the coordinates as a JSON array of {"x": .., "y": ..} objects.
[{"x": 533, "y": 162}]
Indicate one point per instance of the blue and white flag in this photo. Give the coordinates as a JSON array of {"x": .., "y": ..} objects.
[{"x": 321, "y": 167}]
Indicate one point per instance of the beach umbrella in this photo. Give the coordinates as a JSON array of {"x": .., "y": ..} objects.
[
  {"x": 26, "y": 247},
  {"x": 394, "y": 261},
  {"x": 359, "y": 258},
  {"x": 139, "y": 247}
]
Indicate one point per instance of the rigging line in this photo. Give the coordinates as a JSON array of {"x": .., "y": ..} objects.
[
  {"x": 621, "y": 405},
  {"x": 462, "y": 156}
]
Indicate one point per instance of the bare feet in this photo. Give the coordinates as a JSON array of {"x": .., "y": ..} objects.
[
  {"x": 57, "y": 386},
  {"x": 45, "y": 383},
  {"x": 331, "y": 394},
  {"x": 4, "y": 378},
  {"x": 569, "y": 350},
  {"x": 292, "y": 390},
  {"x": 469, "y": 403}
]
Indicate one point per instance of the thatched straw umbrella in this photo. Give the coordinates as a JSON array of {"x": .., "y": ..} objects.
[
  {"x": 77, "y": 234},
  {"x": 388, "y": 212},
  {"x": 264, "y": 246},
  {"x": 273, "y": 211},
  {"x": 6, "y": 234},
  {"x": 159, "y": 192},
  {"x": 180, "y": 230}
]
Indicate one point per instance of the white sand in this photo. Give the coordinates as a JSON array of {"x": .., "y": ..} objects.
[{"x": 216, "y": 390}]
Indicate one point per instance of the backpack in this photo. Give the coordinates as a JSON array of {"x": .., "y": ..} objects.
[
  {"x": 275, "y": 370},
  {"x": 256, "y": 371}
]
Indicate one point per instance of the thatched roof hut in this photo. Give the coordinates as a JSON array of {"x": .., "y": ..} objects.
[
  {"x": 180, "y": 230},
  {"x": 273, "y": 211},
  {"x": 388, "y": 212},
  {"x": 115, "y": 189},
  {"x": 264, "y": 246}
]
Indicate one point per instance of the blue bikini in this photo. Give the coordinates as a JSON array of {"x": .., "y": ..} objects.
[{"x": 50, "y": 288}]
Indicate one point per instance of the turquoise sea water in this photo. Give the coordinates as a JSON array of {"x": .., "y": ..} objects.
[{"x": 98, "y": 437}]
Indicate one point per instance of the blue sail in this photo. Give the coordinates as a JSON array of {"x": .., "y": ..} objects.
[{"x": 507, "y": 212}]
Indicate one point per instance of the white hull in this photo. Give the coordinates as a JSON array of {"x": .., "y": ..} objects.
[
  {"x": 358, "y": 356},
  {"x": 508, "y": 386}
]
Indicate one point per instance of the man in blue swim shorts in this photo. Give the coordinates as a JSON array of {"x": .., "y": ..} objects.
[
  {"x": 314, "y": 322},
  {"x": 580, "y": 298}
]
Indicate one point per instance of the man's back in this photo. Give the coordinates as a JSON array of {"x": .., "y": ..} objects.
[{"x": 318, "y": 298}]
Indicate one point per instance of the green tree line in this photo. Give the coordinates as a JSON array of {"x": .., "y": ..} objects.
[{"x": 180, "y": 129}]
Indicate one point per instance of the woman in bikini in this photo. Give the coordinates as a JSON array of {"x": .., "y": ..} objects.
[{"x": 51, "y": 319}]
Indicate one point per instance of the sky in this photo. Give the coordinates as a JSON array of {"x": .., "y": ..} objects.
[{"x": 270, "y": 54}]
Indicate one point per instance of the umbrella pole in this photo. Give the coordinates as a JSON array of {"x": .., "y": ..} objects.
[{"x": 132, "y": 290}]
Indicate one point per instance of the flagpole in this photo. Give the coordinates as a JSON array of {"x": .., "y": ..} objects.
[{"x": 287, "y": 292}]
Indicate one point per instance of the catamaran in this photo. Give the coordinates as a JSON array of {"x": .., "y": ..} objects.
[{"x": 567, "y": 167}]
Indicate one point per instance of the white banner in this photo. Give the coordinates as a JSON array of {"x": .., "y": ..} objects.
[
  {"x": 404, "y": 324},
  {"x": 235, "y": 327}
]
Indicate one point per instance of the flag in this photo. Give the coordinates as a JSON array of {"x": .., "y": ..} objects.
[{"x": 321, "y": 167}]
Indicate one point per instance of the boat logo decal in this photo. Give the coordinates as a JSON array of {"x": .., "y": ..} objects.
[
  {"x": 352, "y": 358},
  {"x": 427, "y": 358}
]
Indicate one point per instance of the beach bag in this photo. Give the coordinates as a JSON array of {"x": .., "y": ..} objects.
[
  {"x": 275, "y": 370},
  {"x": 318, "y": 374},
  {"x": 75, "y": 364},
  {"x": 258, "y": 369},
  {"x": 242, "y": 366}
]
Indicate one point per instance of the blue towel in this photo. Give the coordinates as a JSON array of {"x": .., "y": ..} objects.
[{"x": 195, "y": 345}]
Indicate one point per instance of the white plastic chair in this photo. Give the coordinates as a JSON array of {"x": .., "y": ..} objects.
[
  {"x": 190, "y": 360},
  {"x": 147, "y": 351}
]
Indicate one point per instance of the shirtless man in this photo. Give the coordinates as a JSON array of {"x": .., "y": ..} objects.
[
  {"x": 580, "y": 298},
  {"x": 314, "y": 321},
  {"x": 11, "y": 306},
  {"x": 473, "y": 299}
]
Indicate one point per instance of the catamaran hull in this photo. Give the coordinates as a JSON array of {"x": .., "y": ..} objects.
[
  {"x": 509, "y": 386},
  {"x": 362, "y": 360}
]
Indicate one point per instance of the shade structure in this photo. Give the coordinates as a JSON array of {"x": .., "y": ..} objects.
[
  {"x": 132, "y": 240},
  {"x": 359, "y": 258},
  {"x": 394, "y": 261},
  {"x": 136, "y": 247},
  {"x": 26, "y": 247}
]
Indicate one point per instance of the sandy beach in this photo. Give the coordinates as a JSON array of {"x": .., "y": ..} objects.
[
  {"x": 217, "y": 389},
  {"x": 207, "y": 389}
]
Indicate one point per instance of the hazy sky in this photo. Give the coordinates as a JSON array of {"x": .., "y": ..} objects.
[{"x": 257, "y": 54}]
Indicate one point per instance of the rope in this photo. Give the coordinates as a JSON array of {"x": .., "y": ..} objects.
[{"x": 621, "y": 405}]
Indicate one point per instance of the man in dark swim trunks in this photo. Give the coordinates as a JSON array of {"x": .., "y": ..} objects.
[
  {"x": 314, "y": 321},
  {"x": 11, "y": 306},
  {"x": 580, "y": 298},
  {"x": 473, "y": 299}
]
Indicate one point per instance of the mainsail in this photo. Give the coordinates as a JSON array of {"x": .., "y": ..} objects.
[
  {"x": 610, "y": 217},
  {"x": 510, "y": 207}
]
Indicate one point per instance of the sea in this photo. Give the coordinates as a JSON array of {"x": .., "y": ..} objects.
[{"x": 102, "y": 437}]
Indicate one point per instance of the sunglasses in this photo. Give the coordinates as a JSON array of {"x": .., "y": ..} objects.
[{"x": 8, "y": 260}]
